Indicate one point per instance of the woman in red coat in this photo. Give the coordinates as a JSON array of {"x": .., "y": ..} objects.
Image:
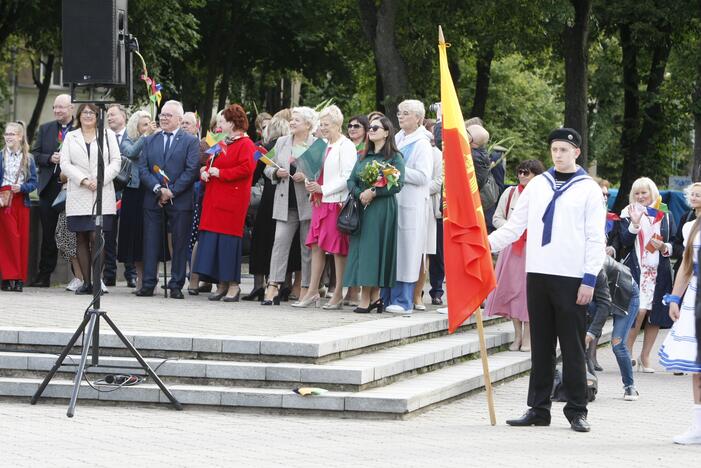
[{"x": 227, "y": 176}]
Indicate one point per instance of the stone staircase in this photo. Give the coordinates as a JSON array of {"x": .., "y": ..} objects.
[{"x": 389, "y": 367}]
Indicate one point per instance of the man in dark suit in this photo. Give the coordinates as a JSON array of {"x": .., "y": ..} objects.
[
  {"x": 177, "y": 154},
  {"x": 45, "y": 150}
]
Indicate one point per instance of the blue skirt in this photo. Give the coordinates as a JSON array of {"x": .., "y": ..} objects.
[
  {"x": 86, "y": 223},
  {"x": 218, "y": 257}
]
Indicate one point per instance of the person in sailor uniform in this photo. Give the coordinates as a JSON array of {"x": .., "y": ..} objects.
[{"x": 564, "y": 213}]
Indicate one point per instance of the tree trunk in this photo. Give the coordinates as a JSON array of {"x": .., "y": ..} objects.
[
  {"x": 379, "y": 27},
  {"x": 224, "y": 84},
  {"x": 640, "y": 126},
  {"x": 484, "y": 70},
  {"x": 208, "y": 98},
  {"x": 576, "y": 53},
  {"x": 43, "y": 86}
]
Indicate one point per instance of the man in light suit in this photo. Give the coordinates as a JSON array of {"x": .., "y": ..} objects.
[
  {"x": 45, "y": 150},
  {"x": 176, "y": 153}
]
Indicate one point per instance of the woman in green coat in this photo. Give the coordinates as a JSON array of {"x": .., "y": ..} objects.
[{"x": 372, "y": 256}]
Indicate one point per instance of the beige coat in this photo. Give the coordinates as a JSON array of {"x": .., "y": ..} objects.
[
  {"x": 283, "y": 151},
  {"x": 76, "y": 165}
]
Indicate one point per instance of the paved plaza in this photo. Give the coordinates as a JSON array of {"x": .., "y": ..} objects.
[{"x": 458, "y": 433}]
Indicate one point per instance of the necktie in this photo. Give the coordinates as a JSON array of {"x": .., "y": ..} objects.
[{"x": 167, "y": 147}]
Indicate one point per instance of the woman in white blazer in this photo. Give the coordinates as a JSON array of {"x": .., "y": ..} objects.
[
  {"x": 328, "y": 193},
  {"x": 79, "y": 153}
]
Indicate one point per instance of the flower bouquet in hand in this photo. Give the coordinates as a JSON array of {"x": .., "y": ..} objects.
[{"x": 379, "y": 174}]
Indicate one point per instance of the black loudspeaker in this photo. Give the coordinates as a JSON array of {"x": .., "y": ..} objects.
[{"x": 94, "y": 50}]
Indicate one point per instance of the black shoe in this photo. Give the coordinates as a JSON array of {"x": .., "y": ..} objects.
[
  {"x": 597, "y": 367},
  {"x": 6, "y": 285},
  {"x": 285, "y": 294},
  {"x": 529, "y": 418},
  {"x": 235, "y": 298},
  {"x": 579, "y": 424},
  {"x": 255, "y": 295},
  {"x": 17, "y": 287},
  {"x": 144, "y": 292},
  {"x": 176, "y": 294},
  {"x": 437, "y": 300},
  {"x": 362, "y": 310},
  {"x": 205, "y": 288},
  {"x": 193, "y": 292},
  {"x": 84, "y": 289},
  {"x": 379, "y": 305},
  {"x": 40, "y": 282},
  {"x": 109, "y": 282},
  {"x": 215, "y": 296},
  {"x": 131, "y": 283}
]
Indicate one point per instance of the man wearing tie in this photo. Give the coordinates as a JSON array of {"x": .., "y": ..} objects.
[
  {"x": 176, "y": 153},
  {"x": 46, "y": 154}
]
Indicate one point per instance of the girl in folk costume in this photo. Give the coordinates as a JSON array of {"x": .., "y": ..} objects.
[
  {"x": 647, "y": 231},
  {"x": 509, "y": 297},
  {"x": 679, "y": 351},
  {"x": 18, "y": 177},
  {"x": 414, "y": 143}
]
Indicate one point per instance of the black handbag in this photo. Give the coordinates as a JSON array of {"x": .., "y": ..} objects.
[
  {"x": 122, "y": 179},
  {"x": 349, "y": 218}
]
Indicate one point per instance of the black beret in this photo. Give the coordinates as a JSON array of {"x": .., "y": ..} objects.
[{"x": 569, "y": 135}]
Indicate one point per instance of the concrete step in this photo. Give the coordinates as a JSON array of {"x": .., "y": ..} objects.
[
  {"x": 394, "y": 400},
  {"x": 350, "y": 373},
  {"x": 313, "y": 346}
]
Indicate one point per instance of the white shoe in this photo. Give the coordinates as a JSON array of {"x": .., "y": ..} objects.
[
  {"x": 692, "y": 436},
  {"x": 104, "y": 288},
  {"x": 442, "y": 310},
  {"x": 74, "y": 284},
  {"x": 419, "y": 307},
  {"x": 395, "y": 309}
]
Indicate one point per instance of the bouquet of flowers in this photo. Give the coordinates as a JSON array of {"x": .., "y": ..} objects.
[{"x": 379, "y": 174}]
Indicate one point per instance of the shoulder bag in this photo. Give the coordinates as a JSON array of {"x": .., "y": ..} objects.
[{"x": 349, "y": 218}]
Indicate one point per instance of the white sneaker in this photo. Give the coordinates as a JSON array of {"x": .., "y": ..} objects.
[
  {"x": 692, "y": 436},
  {"x": 395, "y": 309},
  {"x": 442, "y": 310},
  {"x": 104, "y": 288},
  {"x": 74, "y": 284},
  {"x": 419, "y": 307}
]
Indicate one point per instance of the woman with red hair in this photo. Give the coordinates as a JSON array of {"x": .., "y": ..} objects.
[{"x": 227, "y": 177}]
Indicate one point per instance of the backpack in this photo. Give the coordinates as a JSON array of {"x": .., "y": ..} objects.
[{"x": 489, "y": 193}]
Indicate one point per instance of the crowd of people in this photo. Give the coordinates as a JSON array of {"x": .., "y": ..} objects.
[{"x": 562, "y": 257}]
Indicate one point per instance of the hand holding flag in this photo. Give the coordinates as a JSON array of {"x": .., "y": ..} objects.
[
  {"x": 265, "y": 156},
  {"x": 166, "y": 180}
]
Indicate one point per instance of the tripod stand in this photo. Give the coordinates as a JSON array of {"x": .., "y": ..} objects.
[{"x": 90, "y": 326}]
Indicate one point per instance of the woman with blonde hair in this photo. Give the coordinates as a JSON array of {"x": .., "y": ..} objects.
[
  {"x": 18, "y": 178},
  {"x": 647, "y": 231},
  {"x": 291, "y": 207}
]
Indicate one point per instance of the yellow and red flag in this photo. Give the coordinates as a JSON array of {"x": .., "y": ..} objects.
[{"x": 468, "y": 262}]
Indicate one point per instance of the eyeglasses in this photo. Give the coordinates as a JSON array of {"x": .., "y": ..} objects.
[
  {"x": 374, "y": 128},
  {"x": 403, "y": 113},
  {"x": 524, "y": 172},
  {"x": 355, "y": 126},
  {"x": 88, "y": 113},
  {"x": 167, "y": 116}
]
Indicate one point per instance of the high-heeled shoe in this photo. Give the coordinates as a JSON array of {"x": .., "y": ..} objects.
[
  {"x": 216, "y": 296},
  {"x": 256, "y": 295},
  {"x": 642, "y": 368},
  {"x": 315, "y": 299},
  {"x": 275, "y": 300},
  {"x": 336, "y": 306},
  {"x": 378, "y": 304},
  {"x": 285, "y": 294},
  {"x": 235, "y": 298}
]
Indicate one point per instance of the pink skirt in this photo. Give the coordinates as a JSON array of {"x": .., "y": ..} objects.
[
  {"x": 323, "y": 230},
  {"x": 509, "y": 297}
]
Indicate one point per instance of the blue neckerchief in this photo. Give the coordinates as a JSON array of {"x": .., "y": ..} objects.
[
  {"x": 408, "y": 151},
  {"x": 549, "y": 214}
]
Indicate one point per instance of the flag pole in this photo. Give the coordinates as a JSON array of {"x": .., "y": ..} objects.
[{"x": 485, "y": 368}]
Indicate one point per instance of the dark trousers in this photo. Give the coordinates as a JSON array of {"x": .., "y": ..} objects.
[
  {"x": 109, "y": 272},
  {"x": 554, "y": 315},
  {"x": 436, "y": 271},
  {"x": 49, "y": 218},
  {"x": 180, "y": 223}
]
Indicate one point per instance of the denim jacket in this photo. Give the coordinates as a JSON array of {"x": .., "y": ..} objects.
[
  {"x": 132, "y": 150},
  {"x": 30, "y": 183}
]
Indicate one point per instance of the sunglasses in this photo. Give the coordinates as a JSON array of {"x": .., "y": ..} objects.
[
  {"x": 356, "y": 126},
  {"x": 374, "y": 128},
  {"x": 523, "y": 172}
]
